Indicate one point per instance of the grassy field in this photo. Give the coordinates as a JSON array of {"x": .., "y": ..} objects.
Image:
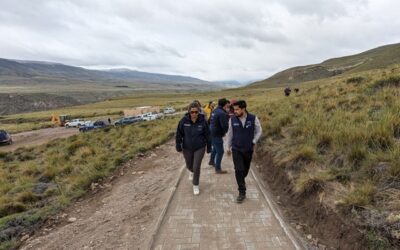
[
  {"x": 341, "y": 141},
  {"x": 338, "y": 136}
]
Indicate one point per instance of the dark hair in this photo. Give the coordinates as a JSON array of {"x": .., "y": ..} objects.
[
  {"x": 241, "y": 103},
  {"x": 193, "y": 105},
  {"x": 198, "y": 102},
  {"x": 222, "y": 102}
]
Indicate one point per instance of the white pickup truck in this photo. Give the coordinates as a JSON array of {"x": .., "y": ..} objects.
[
  {"x": 149, "y": 117},
  {"x": 169, "y": 110},
  {"x": 76, "y": 123}
]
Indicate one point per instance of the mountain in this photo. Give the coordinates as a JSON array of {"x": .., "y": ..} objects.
[
  {"x": 380, "y": 57},
  {"x": 126, "y": 74},
  {"x": 18, "y": 71},
  {"x": 36, "y": 86}
]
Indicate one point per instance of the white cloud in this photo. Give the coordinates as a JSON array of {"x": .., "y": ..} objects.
[{"x": 213, "y": 40}]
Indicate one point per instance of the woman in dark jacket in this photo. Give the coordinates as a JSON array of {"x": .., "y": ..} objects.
[{"x": 193, "y": 139}]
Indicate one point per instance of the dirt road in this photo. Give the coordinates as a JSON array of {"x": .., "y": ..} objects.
[
  {"x": 122, "y": 214},
  {"x": 37, "y": 137}
]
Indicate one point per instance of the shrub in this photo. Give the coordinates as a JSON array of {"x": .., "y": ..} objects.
[
  {"x": 284, "y": 120},
  {"x": 395, "y": 162},
  {"x": 361, "y": 195},
  {"x": 311, "y": 183},
  {"x": 27, "y": 197},
  {"x": 11, "y": 208},
  {"x": 355, "y": 80},
  {"x": 393, "y": 81},
  {"x": 376, "y": 242},
  {"x": 73, "y": 146},
  {"x": 356, "y": 155},
  {"x": 273, "y": 128},
  {"x": 396, "y": 127},
  {"x": 324, "y": 142},
  {"x": 304, "y": 154},
  {"x": 379, "y": 139},
  {"x": 342, "y": 175}
]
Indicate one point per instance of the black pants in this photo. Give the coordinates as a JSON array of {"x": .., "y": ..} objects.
[
  {"x": 241, "y": 161},
  {"x": 193, "y": 162}
]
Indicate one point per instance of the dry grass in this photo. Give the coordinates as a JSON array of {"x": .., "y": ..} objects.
[
  {"x": 341, "y": 130},
  {"x": 37, "y": 181}
]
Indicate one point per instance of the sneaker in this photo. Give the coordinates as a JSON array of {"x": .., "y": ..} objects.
[
  {"x": 240, "y": 198},
  {"x": 196, "y": 190},
  {"x": 190, "y": 176},
  {"x": 221, "y": 171}
]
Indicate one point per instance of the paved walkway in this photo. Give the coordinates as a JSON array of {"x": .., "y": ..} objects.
[{"x": 213, "y": 220}]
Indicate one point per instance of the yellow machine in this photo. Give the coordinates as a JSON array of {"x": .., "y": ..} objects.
[{"x": 60, "y": 120}]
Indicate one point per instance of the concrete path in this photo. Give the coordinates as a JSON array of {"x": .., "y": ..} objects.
[{"x": 213, "y": 220}]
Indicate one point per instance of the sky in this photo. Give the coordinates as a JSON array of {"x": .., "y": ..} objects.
[{"x": 212, "y": 40}]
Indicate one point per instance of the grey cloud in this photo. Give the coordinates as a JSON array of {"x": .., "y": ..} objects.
[
  {"x": 321, "y": 8},
  {"x": 219, "y": 39},
  {"x": 152, "y": 48}
]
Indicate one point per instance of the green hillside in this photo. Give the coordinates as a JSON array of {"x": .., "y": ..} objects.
[{"x": 377, "y": 58}]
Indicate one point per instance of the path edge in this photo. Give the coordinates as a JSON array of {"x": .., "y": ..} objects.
[
  {"x": 294, "y": 237},
  {"x": 165, "y": 209}
]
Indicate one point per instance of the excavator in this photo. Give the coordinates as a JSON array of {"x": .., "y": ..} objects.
[{"x": 60, "y": 120}]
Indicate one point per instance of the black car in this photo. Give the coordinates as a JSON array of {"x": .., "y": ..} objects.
[
  {"x": 5, "y": 138},
  {"x": 95, "y": 125},
  {"x": 128, "y": 120}
]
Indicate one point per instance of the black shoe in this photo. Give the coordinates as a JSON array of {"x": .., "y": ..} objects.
[
  {"x": 240, "y": 198},
  {"x": 221, "y": 171},
  {"x": 211, "y": 163}
]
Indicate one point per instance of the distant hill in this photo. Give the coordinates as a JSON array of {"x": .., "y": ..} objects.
[
  {"x": 35, "y": 86},
  {"x": 380, "y": 57},
  {"x": 25, "y": 72}
]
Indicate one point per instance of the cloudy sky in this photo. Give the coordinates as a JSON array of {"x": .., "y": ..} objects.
[{"x": 212, "y": 40}]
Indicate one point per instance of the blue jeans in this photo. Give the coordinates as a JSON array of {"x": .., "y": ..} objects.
[{"x": 217, "y": 151}]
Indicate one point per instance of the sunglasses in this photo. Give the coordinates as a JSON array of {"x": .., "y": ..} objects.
[{"x": 194, "y": 112}]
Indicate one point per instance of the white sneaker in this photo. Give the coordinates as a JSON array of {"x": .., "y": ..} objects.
[
  {"x": 190, "y": 176},
  {"x": 196, "y": 190}
]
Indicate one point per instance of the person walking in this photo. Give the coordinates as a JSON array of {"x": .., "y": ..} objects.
[
  {"x": 231, "y": 113},
  {"x": 201, "y": 109},
  {"x": 243, "y": 133},
  {"x": 208, "y": 109},
  {"x": 193, "y": 140},
  {"x": 287, "y": 91},
  {"x": 219, "y": 125}
]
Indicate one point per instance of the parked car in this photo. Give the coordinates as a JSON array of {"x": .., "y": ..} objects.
[
  {"x": 76, "y": 123},
  {"x": 159, "y": 115},
  {"x": 94, "y": 125},
  {"x": 128, "y": 120},
  {"x": 169, "y": 110},
  {"x": 149, "y": 117},
  {"x": 5, "y": 138}
]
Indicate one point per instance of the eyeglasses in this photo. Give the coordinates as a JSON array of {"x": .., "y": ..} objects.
[{"x": 194, "y": 112}]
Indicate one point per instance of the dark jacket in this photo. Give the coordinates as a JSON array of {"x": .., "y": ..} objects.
[
  {"x": 242, "y": 138},
  {"x": 193, "y": 136},
  {"x": 219, "y": 124}
]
